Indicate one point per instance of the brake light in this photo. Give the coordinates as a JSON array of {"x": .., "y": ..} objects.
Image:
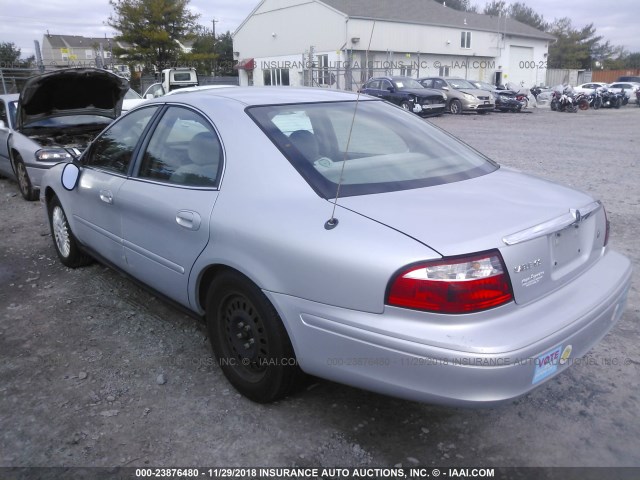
[{"x": 455, "y": 285}]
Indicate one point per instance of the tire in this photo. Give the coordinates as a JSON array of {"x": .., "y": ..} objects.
[
  {"x": 24, "y": 182},
  {"x": 554, "y": 105},
  {"x": 597, "y": 103},
  {"x": 617, "y": 102},
  {"x": 405, "y": 106},
  {"x": 525, "y": 103},
  {"x": 249, "y": 340},
  {"x": 625, "y": 100},
  {"x": 64, "y": 241},
  {"x": 455, "y": 107},
  {"x": 583, "y": 104}
]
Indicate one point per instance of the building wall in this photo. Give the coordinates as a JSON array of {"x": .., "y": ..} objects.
[
  {"x": 282, "y": 31},
  {"x": 276, "y": 29}
]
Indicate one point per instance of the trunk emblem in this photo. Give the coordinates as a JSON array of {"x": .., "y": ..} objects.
[{"x": 527, "y": 266}]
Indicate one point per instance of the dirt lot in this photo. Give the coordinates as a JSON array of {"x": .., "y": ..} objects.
[{"x": 97, "y": 372}]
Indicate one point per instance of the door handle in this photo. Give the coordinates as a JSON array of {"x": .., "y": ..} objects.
[
  {"x": 106, "y": 196},
  {"x": 188, "y": 219}
]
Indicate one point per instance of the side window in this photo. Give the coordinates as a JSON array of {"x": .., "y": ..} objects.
[
  {"x": 113, "y": 150},
  {"x": 183, "y": 150},
  {"x": 427, "y": 83},
  {"x": 3, "y": 114},
  {"x": 386, "y": 84}
]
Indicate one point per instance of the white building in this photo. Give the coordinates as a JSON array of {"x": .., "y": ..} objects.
[{"x": 342, "y": 43}]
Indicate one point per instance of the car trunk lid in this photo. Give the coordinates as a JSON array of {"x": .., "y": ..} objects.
[{"x": 547, "y": 234}]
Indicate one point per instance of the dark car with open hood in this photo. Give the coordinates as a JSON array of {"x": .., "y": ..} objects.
[
  {"x": 56, "y": 116},
  {"x": 408, "y": 94}
]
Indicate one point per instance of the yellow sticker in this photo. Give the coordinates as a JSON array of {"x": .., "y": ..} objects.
[{"x": 566, "y": 353}]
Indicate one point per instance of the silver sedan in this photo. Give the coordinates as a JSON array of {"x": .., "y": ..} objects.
[{"x": 347, "y": 240}]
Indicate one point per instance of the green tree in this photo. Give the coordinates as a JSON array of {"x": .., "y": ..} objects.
[
  {"x": 462, "y": 5},
  {"x": 9, "y": 54},
  {"x": 153, "y": 29},
  {"x": 497, "y": 8},
  {"x": 520, "y": 12},
  {"x": 574, "y": 47}
]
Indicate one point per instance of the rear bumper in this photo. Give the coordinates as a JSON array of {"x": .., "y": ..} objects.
[{"x": 403, "y": 353}]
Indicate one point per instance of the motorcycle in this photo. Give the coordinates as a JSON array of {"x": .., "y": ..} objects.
[
  {"x": 637, "y": 98},
  {"x": 562, "y": 100},
  {"x": 611, "y": 99}
]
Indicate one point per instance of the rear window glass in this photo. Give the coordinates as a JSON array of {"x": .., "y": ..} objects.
[{"x": 379, "y": 149}]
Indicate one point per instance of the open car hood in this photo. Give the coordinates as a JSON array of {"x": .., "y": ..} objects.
[{"x": 74, "y": 91}]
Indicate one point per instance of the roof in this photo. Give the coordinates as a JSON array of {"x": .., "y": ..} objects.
[
  {"x": 77, "y": 41},
  {"x": 267, "y": 95},
  {"x": 430, "y": 12}
]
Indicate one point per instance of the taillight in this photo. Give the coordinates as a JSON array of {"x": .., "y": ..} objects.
[{"x": 455, "y": 285}]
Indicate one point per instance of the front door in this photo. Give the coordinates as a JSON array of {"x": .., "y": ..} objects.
[{"x": 97, "y": 211}]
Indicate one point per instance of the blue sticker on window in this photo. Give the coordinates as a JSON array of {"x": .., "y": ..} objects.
[{"x": 547, "y": 364}]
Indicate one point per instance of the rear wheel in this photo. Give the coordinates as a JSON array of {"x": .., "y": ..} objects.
[
  {"x": 616, "y": 102},
  {"x": 583, "y": 104},
  {"x": 24, "y": 182},
  {"x": 249, "y": 340},
  {"x": 64, "y": 241},
  {"x": 455, "y": 107}
]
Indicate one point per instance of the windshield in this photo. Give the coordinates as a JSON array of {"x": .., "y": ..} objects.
[
  {"x": 407, "y": 83},
  {"x": 132, "y": 95},
  {"x": 388, "y": 149},
  {"x": 459, "y": 83}
]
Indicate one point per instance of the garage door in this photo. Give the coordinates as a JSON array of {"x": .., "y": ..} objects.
[{"x": 521, "y": 66}]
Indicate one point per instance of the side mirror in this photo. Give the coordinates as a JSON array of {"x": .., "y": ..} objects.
[
  {"x": 70, "y": 176},
  {"x": 391, "y": 89},
  {"x": 149, "y": 96},
  {"x": 445, "y": 88}
]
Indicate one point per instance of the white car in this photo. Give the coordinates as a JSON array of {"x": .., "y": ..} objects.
[
  {"x": 589, "y": 87},
  {"x": 630, "y": 89}
]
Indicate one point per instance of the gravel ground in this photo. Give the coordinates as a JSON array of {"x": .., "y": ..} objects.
[{"x": 97, "y": 372}]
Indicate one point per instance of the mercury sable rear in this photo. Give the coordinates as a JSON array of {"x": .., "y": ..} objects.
[{"x": 347, "y": 240}]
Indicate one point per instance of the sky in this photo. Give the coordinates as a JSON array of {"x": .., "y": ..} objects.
[{"x": 22, "y": 22}]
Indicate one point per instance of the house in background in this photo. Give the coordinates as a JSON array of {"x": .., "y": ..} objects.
[
  {"x": 342, "y": 43},
  {"x": 74, "y": 50}
]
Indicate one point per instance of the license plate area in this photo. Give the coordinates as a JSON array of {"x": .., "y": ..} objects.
[{"x": 571, "y": 247}]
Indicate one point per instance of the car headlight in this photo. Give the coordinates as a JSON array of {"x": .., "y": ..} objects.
[
  {"x": 53, "y": 155},
  {"x": 468, "y": 96}
]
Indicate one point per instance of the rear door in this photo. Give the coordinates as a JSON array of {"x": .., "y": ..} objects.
[
  {"x": 168, "y": 201},
  {"x": 5, "y": 163}
]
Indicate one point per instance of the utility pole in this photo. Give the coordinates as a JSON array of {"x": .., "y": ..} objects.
[{"x": 213, "y": 67}]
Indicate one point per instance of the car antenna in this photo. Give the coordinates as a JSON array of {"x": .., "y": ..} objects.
[{"x": 333, "y": 221}]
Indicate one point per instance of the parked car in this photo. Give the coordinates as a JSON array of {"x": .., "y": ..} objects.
[
  {"x": 629, "y": 89},
  {"x": 8, "y": 107},
  {"x": 588, "y": 87},
  {"x": 407, "y": 93},
  {"x": 344, "y": 239},
  {"x": 57, "y": 115},
  {"x": 131, "y": 100},
  {"x": 505, "y": 100},
  {"x": 462, "y": 95},
  {"x": 629, "y": 78}
]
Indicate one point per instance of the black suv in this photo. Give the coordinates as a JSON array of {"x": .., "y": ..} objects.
[{"x": 408, "y": 94}]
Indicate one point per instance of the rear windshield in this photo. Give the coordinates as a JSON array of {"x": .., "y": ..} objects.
[{"x": 388, "y": 149}]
